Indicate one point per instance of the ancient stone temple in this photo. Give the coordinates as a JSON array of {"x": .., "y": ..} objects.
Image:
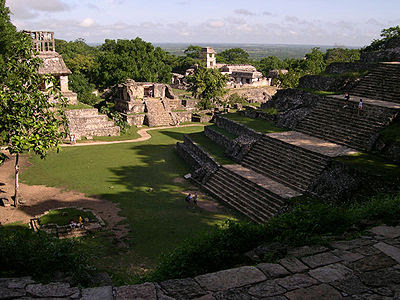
[
  {"x": 207, "y": 55},
  {"x": 43, "y": 43},
  {"x": 152, "y": 104}
]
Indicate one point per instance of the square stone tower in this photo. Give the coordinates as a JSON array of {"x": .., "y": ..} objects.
[
  {"x": 43, "y": 43},
  {"x": 208, "y": 56}
]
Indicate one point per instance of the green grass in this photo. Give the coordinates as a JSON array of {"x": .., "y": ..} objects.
[
  {"x": 63, "y": 216},
  {"x": 123, "y": 173},
  {"x": 216, "y": 151},
  {"x": 79, "y": 105},
  {"x": 392, "y": 132},
  {"x": 269, "y": 110},
  {"x": 223, "y": 131},
  {"x": 262, "y": 126},
  {"x": 130, "y": 134},
  {"x": 255, "y": 104},
  {"x": 321, "y": 93},
  {"x": 373, "y": 165},
  {"x": 179, "y": 92}
]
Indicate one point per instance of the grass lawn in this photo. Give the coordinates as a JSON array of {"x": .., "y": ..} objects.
[
  {"x": 260, "y": 125},
  {"x": 123, "y": 173},
  {"x": 223, "y": 131},
  {"x": 214, "y": 149},
  {"x": 63, "y": 216},
  {"x": 321, "y": 93},
  {"x": 179, "y": 92}
]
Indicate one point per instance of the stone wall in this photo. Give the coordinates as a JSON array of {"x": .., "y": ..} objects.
[
  {"x": 182, "y": 116},
  {"x": 381, "y": 56},
  {"x": 134, "y": 119},
  {"x": 254, "y": 95},
  {"x": 346, "y": 67},
  {"x": 199, "y": 152},
  {"x": 236, "y": 128},
  {"x": 218, "y": 137},
  {"x": 327, "y": 83},
  {"x": 293, "y": 105}
]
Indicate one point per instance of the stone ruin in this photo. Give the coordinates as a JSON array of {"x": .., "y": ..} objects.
[
  {"x": 43, "y": 43},
  {"x": 152, "y": 104}
]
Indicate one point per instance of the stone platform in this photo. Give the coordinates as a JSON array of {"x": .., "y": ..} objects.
[
  {"x": 364, "y": 268},
  {"x": 312, "y": 143}
]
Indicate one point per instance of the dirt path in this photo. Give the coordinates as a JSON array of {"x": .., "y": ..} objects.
[{"x": 144, "y": 136}]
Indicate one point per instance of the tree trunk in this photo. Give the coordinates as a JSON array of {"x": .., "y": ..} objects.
[{"x": 16, "y": 180}]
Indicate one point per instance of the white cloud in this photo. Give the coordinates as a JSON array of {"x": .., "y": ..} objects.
[
  {"x": 242, "y": 11},
  {"x": 216, "y": 24},
  {"x": 87, "y": 22},
  {"x": 27, "y": 9}
]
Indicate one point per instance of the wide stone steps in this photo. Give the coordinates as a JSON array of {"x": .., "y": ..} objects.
[
  {"x": 286, "y": 163},
  {"x": 88, "y": 123},
  {"x": 252, "y": 200},
  {"x": 381, "y": 83}
]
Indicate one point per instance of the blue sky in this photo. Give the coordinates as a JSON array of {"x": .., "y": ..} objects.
[{"x": 316, "y": 22}]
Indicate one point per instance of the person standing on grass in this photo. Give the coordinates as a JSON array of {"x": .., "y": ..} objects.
[
  {"x": 360, "y": 107},
  {"x": 195, "y": 200},
  {"x": 188, "y": 199}
]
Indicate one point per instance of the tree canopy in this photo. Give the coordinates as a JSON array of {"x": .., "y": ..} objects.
[
  {"x": 208, "y": 85},
  {"x": 233, "y": 56},
  {"x": 135, "y": 59},
  {"x": 387, "y": 35}
]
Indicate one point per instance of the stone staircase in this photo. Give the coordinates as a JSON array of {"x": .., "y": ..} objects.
[
  {"x": 288, "y": 164},
  {"x": 243, "y": 194},
  {"x": 382, "y": 83},
  {"x": 89, "y": 123},
  {"x": 158, "y": 113},
  {"x": 331, "y": 122}
]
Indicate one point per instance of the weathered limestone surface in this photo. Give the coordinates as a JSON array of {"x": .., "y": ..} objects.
[{"x": 370, "y": 276}]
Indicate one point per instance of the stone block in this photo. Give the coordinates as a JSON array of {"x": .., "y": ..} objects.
[
  {"x": 380, "y": 278},
  {"x": 273, "y": 270},
  {"x": 387, "y": 231},
  {"x": 367, "y": 250},
  {"x": 6, "y": 293},
  {"x": 145, "y": 291},
  {"x": 182, "y": 288},
  {"x": 389, "y": 250},
  {"x": 231, "y": 278},
  {"x": 15, "y": 283},
  {"x": 51, "y": 290},
  {"x": 103, "y": 292},
  {"x": 306, "y": 250},
  {"x": 350, "y": 286},
  {"x": 296, "y": 281},
  {"x": 373, "y": 262},
  {"x": 293, "y": 265},
  {"x": 346, "y": 245},
  {"x": 331, "y": 273},
  {"x": 317, "y": 292},
  {"x": 347, "y": 256},
  {"x": 321, "y": 259},
  {"x": 266, "y": 289}
]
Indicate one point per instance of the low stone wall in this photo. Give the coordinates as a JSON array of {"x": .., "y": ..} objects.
[
  {"x": 293, "y": 105},
  {"x": 254, "y": 95},
  {"x": 257, "y": 114},
  {"x": 188, "y": 156},
  {"x": 218, "y": 137},
  {"x": 236, "y": 128},
  {"x": 381, "y": 56},
  {"x": 183, "y": 116},
  {"x": 328, "y": 83},
  {"x": 134, "y": 119},
  {"x": 199, "y": 152},
  {"x": 346, "y": 67}
]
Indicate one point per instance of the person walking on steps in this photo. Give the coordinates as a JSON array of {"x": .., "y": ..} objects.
[
  {"x": 195, "y": 200},
  {"x": 346, "y": 100},
  {"x": 188, "y": 199},
  {"x": 360, "y": 107}
]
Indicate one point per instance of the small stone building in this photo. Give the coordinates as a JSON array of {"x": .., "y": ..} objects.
[
  {"x": 43, "y": 43},
  {"x": 207, "y": 55},
  {"x": 152, "y": 104}
]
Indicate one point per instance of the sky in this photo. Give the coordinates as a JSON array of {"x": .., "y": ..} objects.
[{"x": 305, "y": 22}]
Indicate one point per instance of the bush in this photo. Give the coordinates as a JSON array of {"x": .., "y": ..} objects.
[
  {"x": 24, "y": 252},
  {"x": 223, "y": 247}
]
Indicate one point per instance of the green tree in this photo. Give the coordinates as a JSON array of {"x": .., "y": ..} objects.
[
  {"x": 270, "y": 63},
  {"x": 314, "y": 62},
  {"x": 31, "y": 123},
  {"x": 233, "y": 56},
  {"x": 341, "y": 55},
  {"x": 289, "y": 80},
  {"x": 135, "y": 59},
  {"x": 387, "y": 34},
  {"x": 193, "y": 52},
  {"x": 208, "y": 85}
]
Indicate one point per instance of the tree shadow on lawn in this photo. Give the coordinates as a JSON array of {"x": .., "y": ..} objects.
[{"x": 153, "y": 203}]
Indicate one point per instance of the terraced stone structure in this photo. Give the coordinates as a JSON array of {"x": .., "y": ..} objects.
[
  {"x": 364, "y": 268},
  {"x": 273, "y": 168},
  {"x": 88, "y": 123},
  {"x": 152, "y": 104}
]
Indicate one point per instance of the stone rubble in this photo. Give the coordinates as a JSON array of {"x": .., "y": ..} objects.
[{"x": 337, "y": 271}]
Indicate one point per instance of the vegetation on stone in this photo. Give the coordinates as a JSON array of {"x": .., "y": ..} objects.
[
  {"x": 308, "y": 223},
  {"x": 64, "y": 216},
  {"x": 259, "y": 125}
]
